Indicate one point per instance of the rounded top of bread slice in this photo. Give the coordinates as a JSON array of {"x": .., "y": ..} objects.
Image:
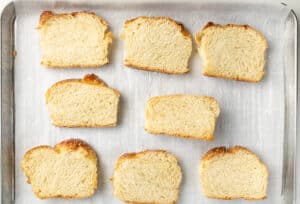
[
  {"x": 157, "y": 44},
  {"x": 232, "y": 51},
  {"x": 233, "y": 173},
  {"x": 69, "y": 170},
  {"x": 77, "y": 39},
  {"x": 151, "y": 176}
]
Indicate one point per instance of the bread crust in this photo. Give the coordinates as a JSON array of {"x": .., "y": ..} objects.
[
  {"x": 180, "y": 27},
  {"x": 152, "y": 69},
  {"x": 134, "y": 155},
  {"x": 217, "y": 151},
  {"x": 199, "y": 35},
  {"x": 209, "y": 137},
  {"x": 70, "y": 145},
  {"x": 47, "y": 15},
  {"x": 90, "y": 79}
]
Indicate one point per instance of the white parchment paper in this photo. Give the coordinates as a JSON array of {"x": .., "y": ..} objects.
[{"x": 252, "y": 115}]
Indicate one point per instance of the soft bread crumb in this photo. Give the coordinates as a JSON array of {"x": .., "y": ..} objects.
[
  {"x": 232, "y": 51},
  {"x": 233, "y": 173},
  {"x": 78, "y": 39},
  {"x": 189, "y": 116},
  {"x": 157, "y": 44},
  {"x": 151, "y": 177},
  {"x": 69, "y": 170},
  {"x": 87, "y": 102}
]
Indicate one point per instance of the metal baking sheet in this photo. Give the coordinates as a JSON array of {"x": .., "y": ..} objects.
[{"x": 260, "y": 116}]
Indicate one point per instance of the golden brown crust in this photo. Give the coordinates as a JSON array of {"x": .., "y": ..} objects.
[
  {"x": 90, "y": 79},
  {"x": 207, "y": 138},
  {"x": 75, "y": 144},
  {"x": 46, "y": 15},
  {"x": 72, "y": 145},
  {"x": 237, "y": 78},
  {"x": 74, "y": 65},
  {"x": 223, "y": 150},
  {"x": 179, "y": 25},
  {"x": 217, "y": 151},
  {"x": 134, "y": 155},
  {"x": 200, "y": 34},
  {"x": 93, "y": 79},
  {"x": 153, "y": 69}
]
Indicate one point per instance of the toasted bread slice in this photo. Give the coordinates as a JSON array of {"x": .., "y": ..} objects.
[
  {"x": 233, "y": 173},
  {"x": 69, "y": 170},
  {"x": 86, "y": 102},
  {"x": 187, "y": 116},
  {"x": 232, "y": 51},
  {"x": 78, "y": 39},
  {"x": 157, "y": 44},
  {"x": 151, "y": 177}
]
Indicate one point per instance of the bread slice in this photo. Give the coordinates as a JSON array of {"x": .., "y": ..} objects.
[
  {"x": 233, "y": 173},
  {"x": 189, "y": 116},
  {"x": 150, "y": 177},
  {"x": 86, "y": 102},
  {"x": 78, "y": 39},
  {"x": 232, "y": 51},
  {"x": 157, "y": 44},
  {"x": 69, "y": 170}
]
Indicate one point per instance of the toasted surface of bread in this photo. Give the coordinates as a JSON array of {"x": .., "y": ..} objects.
[
  {"x": 86, "y": 102},
  {"x": 188, "y": 116},
  {"x": 78, "y": 39},
  {"x": 69, "y": 170},
  {"x": 150, "y": 177},
  {"x": 232, "y": 51},
  {"x": 157, "y": 44},
  {"x": 233, "y": 173}
]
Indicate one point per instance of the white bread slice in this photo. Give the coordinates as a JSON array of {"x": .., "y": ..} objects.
[
  {"x": 150, "y": 177},
  {"x": 69, "y": 170},
  {"x": 232, "y": 51},
  {"x": 78, "y": 39},
  {"x": 157, "y": 44},
  {"x": 233, "y": 173},
  {"x": 86, "y": 102},
  {"x": 189, "y": 116}
]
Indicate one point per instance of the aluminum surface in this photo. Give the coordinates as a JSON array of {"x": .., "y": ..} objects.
[{"x": 259, "y": 116}]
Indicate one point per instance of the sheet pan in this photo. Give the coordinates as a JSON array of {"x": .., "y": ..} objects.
[{"x": 260, "y": 116}]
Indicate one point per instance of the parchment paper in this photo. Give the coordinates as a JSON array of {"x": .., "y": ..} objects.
[{"x": 252, "y": 114}]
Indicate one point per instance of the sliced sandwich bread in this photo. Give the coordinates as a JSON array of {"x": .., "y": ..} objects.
[
  {"x": 233, "y": 173},
  {"x": 78, "y": 39},
  {"x": 69, "y": 170},
  {"x": 232, "y": 51},
  {"x": 189, "y": 116},
  {"x": 151, "y": 177},
  {"x": 86, "y": 102},
  {"x": 157, "y": 44}
]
